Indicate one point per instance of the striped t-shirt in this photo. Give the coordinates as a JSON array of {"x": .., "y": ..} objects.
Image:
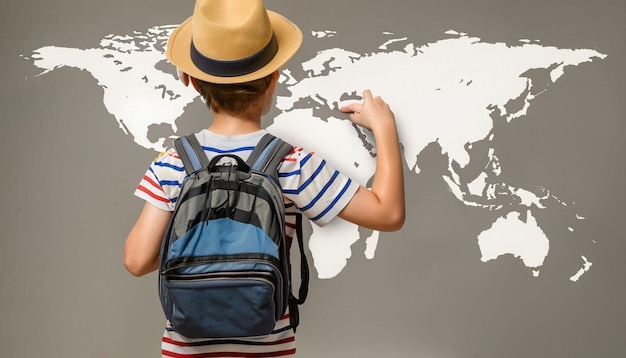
[{"x": 310, "y": 185}]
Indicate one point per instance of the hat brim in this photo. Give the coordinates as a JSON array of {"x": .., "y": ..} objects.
[{"x": 287, "y": 34}]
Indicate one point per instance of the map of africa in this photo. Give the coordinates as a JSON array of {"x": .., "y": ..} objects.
[{"x": 452, "y": 93}]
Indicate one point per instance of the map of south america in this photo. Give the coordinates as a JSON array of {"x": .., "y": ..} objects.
[{"x": 451, "y": 93}]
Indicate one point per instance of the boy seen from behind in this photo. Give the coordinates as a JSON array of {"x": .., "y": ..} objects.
[{"x": 230, "y": 52}]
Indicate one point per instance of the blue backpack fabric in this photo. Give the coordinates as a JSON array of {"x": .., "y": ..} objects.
[{"x": 224, "y": 261}]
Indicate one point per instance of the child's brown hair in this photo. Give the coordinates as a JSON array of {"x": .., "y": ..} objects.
[{"x": 241, "y": 98}]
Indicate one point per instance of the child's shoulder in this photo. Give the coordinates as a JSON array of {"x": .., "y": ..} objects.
[
  {"x": 295, "y": 154},
  {"x": 297, "y": 159},
  {"x": 167, "y": 155},
  {"x": 168, "y": 159}
]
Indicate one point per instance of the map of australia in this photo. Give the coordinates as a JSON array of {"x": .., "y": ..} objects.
[{"x": 451, "y": 93}]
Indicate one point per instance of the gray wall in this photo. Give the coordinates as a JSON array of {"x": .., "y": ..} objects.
[{"x": 69, "y": 172}]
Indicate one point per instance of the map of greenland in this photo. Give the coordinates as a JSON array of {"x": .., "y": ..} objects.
[{"x": 447, "y": 93}]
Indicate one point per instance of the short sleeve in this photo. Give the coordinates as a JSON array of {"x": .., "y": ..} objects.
[
  {"x": 161, "y": 184},
  {"x": 317, "y": 189}
]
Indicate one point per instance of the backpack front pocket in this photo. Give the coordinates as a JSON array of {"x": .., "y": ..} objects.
[{"x": 220, "y": 304}]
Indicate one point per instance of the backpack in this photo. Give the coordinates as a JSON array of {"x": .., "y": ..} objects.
[{"x": 224, "y": 261}]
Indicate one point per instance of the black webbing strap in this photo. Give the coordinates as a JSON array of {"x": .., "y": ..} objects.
[
  {"x": 304, "y": 277},
  {"x": 191, "y": 153}
]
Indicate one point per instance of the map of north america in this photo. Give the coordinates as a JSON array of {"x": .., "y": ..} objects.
[{"x": 448, "y": 93}]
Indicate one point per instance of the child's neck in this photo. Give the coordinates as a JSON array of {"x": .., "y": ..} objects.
[{"x": 229, "y": 124}]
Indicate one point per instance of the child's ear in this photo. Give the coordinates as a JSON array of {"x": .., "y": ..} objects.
[
  {"x": 194, "y": 83},
  {"x": 275, "y": 76},
  {"x": 185, "y": 79},
  {"x": 182, "y": 76}
]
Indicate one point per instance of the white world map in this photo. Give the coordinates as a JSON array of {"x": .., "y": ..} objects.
[{"x": 448, "y": 92}]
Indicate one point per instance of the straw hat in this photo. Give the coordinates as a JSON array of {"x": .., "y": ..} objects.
[{"x": 227, "y": 41}]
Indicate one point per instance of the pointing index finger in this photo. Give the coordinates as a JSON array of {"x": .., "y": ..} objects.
[
  {"x": 367, "y": 95},
  {"x": 350, "y": 108}
]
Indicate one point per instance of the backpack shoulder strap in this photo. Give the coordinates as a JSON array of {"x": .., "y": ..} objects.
[
  {"x": 268, "y": 154},
  {"x": 265, "y": 158},
  {"x": 191, "y": 153}
]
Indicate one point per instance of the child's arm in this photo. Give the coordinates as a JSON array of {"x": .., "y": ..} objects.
[
  {"x": 141, "y": 252},
  {"x": 382, "y": 207}
]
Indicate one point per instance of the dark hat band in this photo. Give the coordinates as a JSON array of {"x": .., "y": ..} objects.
[{"x": 235, "y": 68}]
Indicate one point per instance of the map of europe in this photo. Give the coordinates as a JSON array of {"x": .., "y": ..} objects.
[{"x": 449, "y": 93}]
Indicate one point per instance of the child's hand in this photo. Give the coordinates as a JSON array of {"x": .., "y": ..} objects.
[
  {"x": 371, "y": 113},
  {"x": 382, "y": 206}
]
